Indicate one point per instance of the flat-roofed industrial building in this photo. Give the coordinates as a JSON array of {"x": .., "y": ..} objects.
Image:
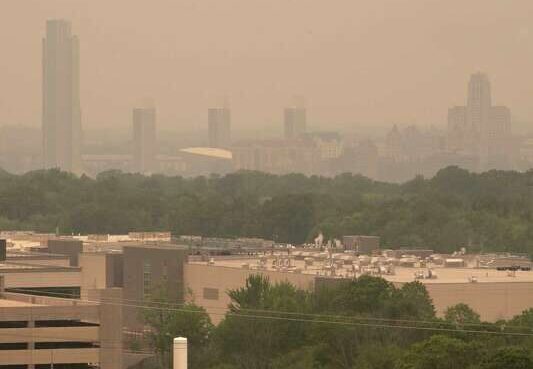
[{"x": 493, "y": 294}]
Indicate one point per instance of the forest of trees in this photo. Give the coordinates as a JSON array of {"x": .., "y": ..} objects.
[
  {"x": 491, "y": 211},
  {"x": 366, "y": 323}
]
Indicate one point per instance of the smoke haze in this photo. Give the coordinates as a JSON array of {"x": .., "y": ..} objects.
[{"x": 357, "y": 63}]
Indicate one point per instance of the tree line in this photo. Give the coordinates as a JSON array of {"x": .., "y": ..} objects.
[
  {"x": 490, "y": 211},
  {"x": 366, "y": 323}
]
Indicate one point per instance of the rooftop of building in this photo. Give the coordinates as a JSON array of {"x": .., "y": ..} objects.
[
  {"x": 157, "y": 246},
  {"x": 14, "y": 254},
  {"x": 211, "y": 152},
  {"x": 398, "y": 274}
]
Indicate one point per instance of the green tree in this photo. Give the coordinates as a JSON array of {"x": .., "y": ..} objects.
[
  {"x": 441, "y": 352},
  {"x": 167, "y": 322},
  {"x": 509, "y": 358},
  {"x": 251, "y": 336},
  {"x": 461, "y": 315},
  {"x": 412, "y": 301}
]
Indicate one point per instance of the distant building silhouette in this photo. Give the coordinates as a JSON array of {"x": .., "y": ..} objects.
[
  {"x": 144, "y": 140},
  {"x": 457, "y": 128},
  {"x": 61, "y": 118},
  {"x": 479, "y": 102},
  {"x": 219, "y": 127},
  {"x": 295, "y": 122},
  {"x": 481, "y": 129}
]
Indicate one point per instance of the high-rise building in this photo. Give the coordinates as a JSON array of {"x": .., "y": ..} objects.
[
  {"x": 295, "y": 122},
  {"x": 144, "y": 140},
  {"x": 480, "y": 129},
  {"x": 498, "y": 136},
  {"x": 219, "y": 127},
  {"x": 149, "y": 270},
  {"x": 61, "y": 118},
  {"x": 456, "y": 128},
  {"x": 479, "y": 102}
]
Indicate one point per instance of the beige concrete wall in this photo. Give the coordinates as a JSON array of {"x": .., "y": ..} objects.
[
  {"x": 50, "y": 334},
  {"x": 33, "y": 308},
  {"x": 93, "y": 272},
  {"x": 64, "y": 262},
  {"x": 42, "y": 279},
  {"x": 493, "y": 301},
  {"x": 110, "y": 326},
  {"x": 57, "y": 356},
  {"x": 89, "y": 313},
  {"x": 199, "y": 276}
]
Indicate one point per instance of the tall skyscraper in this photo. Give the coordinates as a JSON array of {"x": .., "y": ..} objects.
[
  {"x": 61, "y": 121},
  {"x": 480, "y": 129},
  {"x": 457, "y": 128},
  {"x": 295, "y": 122},
  {"x": 499, "y": 139},
  {"x": 219, "y": 127},
  {"x": 144, "y": 140},
  {"x": 479, "y": 102}
]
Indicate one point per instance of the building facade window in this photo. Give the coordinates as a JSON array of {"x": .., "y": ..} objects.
[
  {"x": 210, "y": 293},
  {"x": 147, "y": 280}
]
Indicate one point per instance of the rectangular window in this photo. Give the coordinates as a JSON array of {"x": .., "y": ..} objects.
[
  {"x": 211, "y": 293},
  {"x": 147, "y": 280},
  {"x": 165, "y": 272}
]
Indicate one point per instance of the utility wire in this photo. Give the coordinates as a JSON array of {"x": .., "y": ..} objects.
[
  {"x": 324, "y": 321},
  {"x": 143, "y": 304}
]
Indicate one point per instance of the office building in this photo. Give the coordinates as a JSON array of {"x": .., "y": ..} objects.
[
  {"x": 150, "y": 270},
  {"x": 457, "y": 128},
  {"x": 494, "y": 294},
  {"x": 498, "y": 136},
  {"x": 361, "y": 244},
  {"x": 481, "y": 129},
  {"x": 219, "y": 127},
  {"x": 277, "y": 156},
  {"x": 295, "y": 122},
  {"x": 144, "y": 140},
  {"x": 68, "y": 247},
  {"x": 478, "y": 102},
  {"x": 61, "y": 120}
]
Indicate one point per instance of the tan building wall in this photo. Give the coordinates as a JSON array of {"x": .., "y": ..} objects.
[
  {"x": 38, "y": 279},
  {"x": 493, "y": 301},
  {"x": 105, "y": 331},
  {"x": 57, "y": 356},
  {"x": 207, "y": 285},
  {"x": 93, "y": 272},
  {"x": 110, "y": 319},
  {"x": 60, "y": 262},
  {"x": 50, "y": 334}
]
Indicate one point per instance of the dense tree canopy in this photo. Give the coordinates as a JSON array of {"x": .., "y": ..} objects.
[
  {"x": 366, "y": 323},
  {"x": 456, "y": 208}
]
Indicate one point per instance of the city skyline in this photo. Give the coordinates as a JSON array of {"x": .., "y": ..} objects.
[
  {"x": 163, "y": 64},
  {"x": 251, "y": 184}
]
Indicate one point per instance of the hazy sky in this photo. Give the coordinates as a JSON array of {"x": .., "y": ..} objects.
[{"x": 356, "y": 62}]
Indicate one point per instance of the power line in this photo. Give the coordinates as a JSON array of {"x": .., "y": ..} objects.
[
  {"x": 143, "y": 304},
  {"x": 322, "y": 321}
]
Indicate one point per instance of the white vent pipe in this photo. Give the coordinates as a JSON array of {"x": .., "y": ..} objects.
[{"x": 180, "y": 353}]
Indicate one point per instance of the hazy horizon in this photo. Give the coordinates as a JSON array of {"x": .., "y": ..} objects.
[{"x": 356, "y": 63}]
